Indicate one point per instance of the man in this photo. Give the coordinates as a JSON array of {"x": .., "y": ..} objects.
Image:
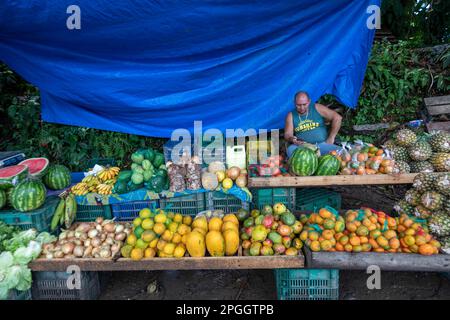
[{"x": 306, "y": 123}]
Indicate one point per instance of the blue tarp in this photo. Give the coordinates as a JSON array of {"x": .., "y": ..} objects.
[{"x": 148, "y": 67}]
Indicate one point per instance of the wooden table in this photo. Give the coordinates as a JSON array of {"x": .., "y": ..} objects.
[
  {"x": 345, "y": 180},
  {"x": 188, "y": 263},
  {"x": 385, "y": 261}
]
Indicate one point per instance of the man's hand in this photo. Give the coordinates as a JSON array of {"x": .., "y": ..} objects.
[{"x": 298, "y": 142}]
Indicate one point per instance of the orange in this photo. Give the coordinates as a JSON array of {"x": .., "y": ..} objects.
[
  {"x": 366, "y": 247},
  {"x": 176, "y": 238},
  {"x": 410, "y": 232},
  {"x": 326, "y": 245},
  {"x": 137, "y": 254},
  {"x": 408, "y": 223},
  {"x": 378, "y": 250},
  {"x": 401, "y": 228},
  {"x": 149, "y": 253},
  {"x": 357, "y": 248},
  {"x": 414, "y": 248},
  {"x": 327, "y": 234},
  {"x": 355, "y": 241},
  {"x": 394, "y": 243},
  {"x": 375, "y": 233},
  {"x": 348, "y": 248}
]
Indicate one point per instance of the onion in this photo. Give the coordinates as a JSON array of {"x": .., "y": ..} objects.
[
  {"x": 88, "y": 252},
  {"x": 106, "y": 222},
  {"x": 59, "y": 254},
  {"x": 83, "y": 228},
  {"x": 63, "y": 235},
  {"x": 110, "y": 235},
  {"x": 115, "y": 248},
  {"x": 95, "y": 251},
  {"x": 78, "y": 251},
  {"x": 92, "y": 233},
  {"x": 71, "y": 234},
  {"x": 49, "y": 256},
  {"x": 87, "y": 242},
  {"x": 110, "y": 241},
  {"x": 233, "y": 173},
  {"x": 67, "y": 248},
  {"x": 78, "y": 242},
  {"x": 97, "y": 255},
  {"x": 106, "y": 247},
  {"x": 57, "y": 248},
  {"x": 78, "y": 234},
  {"x": 109, "y": 227},
  {"x": 84, "y": 237},
  {"x": 99, "y": 228},
  {"x": 69, "y": 256},
  {"x": 105, "y": 253},
  {"x": 127, "y": 231},
  {"x": 120, "y": 236},
  {"x": 96, "y": 242},
  {"x": 119, "y": 228},
  {"x": 48, "y": 247},
  {"x": 103, "y": 237},
  {"x": 99, "y": 220}
]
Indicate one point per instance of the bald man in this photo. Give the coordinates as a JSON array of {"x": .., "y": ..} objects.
[{"x": 306, "y": 123}]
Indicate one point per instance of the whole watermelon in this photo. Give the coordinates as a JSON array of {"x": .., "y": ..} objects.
[
  {"x": 28, "y": 195},
  {"x": 303, "y": 162},
  {"x": 2, "y": 198},
  {"x": 58, "y": 177},
  {"x": 328, "y": 166}
]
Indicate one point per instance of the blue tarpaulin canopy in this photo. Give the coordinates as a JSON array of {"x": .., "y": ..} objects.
[{"x": 149, "y": 67}]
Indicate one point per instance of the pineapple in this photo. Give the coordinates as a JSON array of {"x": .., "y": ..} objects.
[
  {"x": 445, "y": 244},
  {"x": 412, "y": 197},
  {"x": 446, "y": 205},
  {"x": 401, "y": 167},
  {"x": 443, "y": 183},
  {"x": 390, "y": 144},
  {"x": 441, "y": 161},
  {"x": 405, "y": 137},
  {"x": 403, "y": 207},
  {"x": 421, "y": 212},
  {"x": 421, "y": 166},
  {"x": 424, "y": 182},
  {"x": 440, "y": 141},
  {"x": 432, "y": 200},
  {"x": 400, "y": 153},
  {"x": 420, "y": 151},
  {"x": 439, "y": 224}
]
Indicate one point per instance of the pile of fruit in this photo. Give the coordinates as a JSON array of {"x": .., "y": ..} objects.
[
  {"x": 24, "y": 186},
  {"x": 427, "y": 153},
  {"x": 101, "y": 182},
  {"x": 216, "y": 174},
  {"x": 363, "y": 158},
  {"x": 429, "y": 199},
  {"x": 171, "y": 235},
  {"x": 366, "y": 230},
  {"x": 271, "y": 231},
  {"x": 273, "y": 166}
]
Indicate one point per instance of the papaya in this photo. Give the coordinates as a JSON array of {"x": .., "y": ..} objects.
[
  {"x": 231, "y": 242},
  {"x": 215, "y": 244},
  {"x": 200, "y": 223},
  {"x": 195, "y": 244}
]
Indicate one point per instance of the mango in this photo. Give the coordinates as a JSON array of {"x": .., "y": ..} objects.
[
  {"x": 259, "y": 233},
  {"x": 275, "y": 237},
  {"x": 215, "y": 244},
  {"x": 231, "y": 242},
  {"x": 291, "y": 252},
  {"x": 259, "y": 220},
  {"x": 255, "y": 249},
  {"x": 266, "y": 251},
  {"x": 195, "y": 244}
]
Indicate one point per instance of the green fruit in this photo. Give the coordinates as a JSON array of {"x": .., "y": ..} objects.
[
  {"x": 2, "y": 198},
  {"x": 147, "y": 175},
  {"x": 275, "y": 237},
  {"x": 245, "y": 236},
  {"x": 267, "y": 210},
  {"x": 255, "y": 249},
  {"x": 161, "y": 172},
  {"x": 125, "y": 175},
  {"x": 420, "y": 151},
  {"x": 147, "y": 165},
  {"x": 9, "y": 176},
  {"x": 303, "y": 162},
  {"x": 120, "y": 187},
  {"x": 137, "y": 178},
  {"x": 141, "y": 244},
  {"x": 57, "y": 177},
  {"x": 158, "y": 160},
  {"x": 138, "y": 231},
  {"x": 259, "y": 233},
  {"x": 60, "y": 210},
  {"x": 149, "y": 154},
  {"x": 249, "y": 222},
  {"x": 28, "y": 195},
  {"x": 242, "y": 214},
  {"x": 440, "y": 142},
  {"x": 137, "y": 157},
  {"x": 266, "y": 251},
  {"x": 328, "y": 165},
  {"x": 157, "y": 183},
  {"x": 259, "y": 220},
  {"x": 405, "y": 137},
  {"x": 288, "y": 218},
  {"x": 138, "y": 169},
  {"x": 134, "y": 166}
]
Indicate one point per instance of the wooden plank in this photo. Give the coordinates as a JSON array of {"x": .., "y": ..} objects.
[
  {"x": 439, "y": 110},
  {"x": 436, "y": 101},
  {"x": 371, "y": 127},
  {"x": 347, "y": 180},
  {"x": 386, "y": 261},
  {"x": 438, "y": 126},
  {"x": 189, "y": 263}
]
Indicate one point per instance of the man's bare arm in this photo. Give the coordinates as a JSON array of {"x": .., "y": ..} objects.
[
  {"x": 334, "y": 118},
  {"x": 289, "y": 128}
]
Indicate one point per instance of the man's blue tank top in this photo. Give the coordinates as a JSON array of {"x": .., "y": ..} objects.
[{"x": 309, "y": 128}]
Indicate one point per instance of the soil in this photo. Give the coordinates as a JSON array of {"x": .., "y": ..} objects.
[{"x": 261, "y": 285}]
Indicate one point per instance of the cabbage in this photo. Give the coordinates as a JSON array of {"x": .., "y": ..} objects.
[
  {"x": 20, "y": 240},
  {"x": 24, "y": 255},
  {"x": 45, "y": 237}
]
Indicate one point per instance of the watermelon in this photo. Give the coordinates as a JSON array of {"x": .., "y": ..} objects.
[
  {"x": 57, "y": 177},
  {"x": 2, "y": 198},
  {"x": 158, "y": 160},
  {"x": 303, "y": 162},
  {"x": 36, "y": 166},
  {"x": 328, "y": 166},
  {"x": 28, "y": 195},
  {"x": 12, "y": 175},
  {"x": 161, "y": 172}
]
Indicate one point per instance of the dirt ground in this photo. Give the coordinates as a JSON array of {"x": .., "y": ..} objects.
[{"x": 260, "y": 284}]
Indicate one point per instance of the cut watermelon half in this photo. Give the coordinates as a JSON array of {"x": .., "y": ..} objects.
[
  {"x": 37, "y": 167},
  {"x": 10, "y": 176}
]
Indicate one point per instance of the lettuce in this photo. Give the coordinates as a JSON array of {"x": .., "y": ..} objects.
[
  {"x": 45, "y": 237},
  {"x": 24, "y": 255},
  {"x": 20, "y": 240}
]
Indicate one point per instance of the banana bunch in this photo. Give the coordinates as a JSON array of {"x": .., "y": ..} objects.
[
  {"x": 65, "y": 213},
  {"x": 105, "y": 189},
  {"x": 91, "y": 180},
  {"x": 108, "y": 173},
  {"x": 81, "y": 189}
]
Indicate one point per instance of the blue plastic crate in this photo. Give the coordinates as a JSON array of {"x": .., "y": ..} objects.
[
  {"x": 128, "y": 211},
  {"x": 50, "y": 285},
  {"x": 307, "y": 284}
]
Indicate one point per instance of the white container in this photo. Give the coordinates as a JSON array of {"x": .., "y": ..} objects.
[{"x": 236, "y": 156}]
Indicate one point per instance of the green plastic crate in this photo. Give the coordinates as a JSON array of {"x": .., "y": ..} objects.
[
  {"x": 40, "y": 219},
  {"x": 312, "y": 199},
  {"x": 262, "y": 197},
  {"x": 19, "y": 295},
  {"x": 128, "y": 211},
  {"x": 187, "y": 205},
  {"x": 86, "y": 213},
  {"x": 307, "y": 284},
  {"x": 228, "y": 203}
]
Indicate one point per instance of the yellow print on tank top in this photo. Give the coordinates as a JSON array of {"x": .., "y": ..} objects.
[{"x": 306, "y": 125}]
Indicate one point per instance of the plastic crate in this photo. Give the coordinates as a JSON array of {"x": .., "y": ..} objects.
[
  {"x": 228, "y": 203},
  {"x": 312, "y": 199},
  {"x": 128, "y": 211},
  {"x": 40, "y": 219},
  {"x": 262, "y": 197},
  {"x": 53, "y": 286},
  {"x": 186, "y": 205},
  {"x": 86, "y": 213},
  {"x": 307, "y": 284},
  {"x": 19, "y": 295}
]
